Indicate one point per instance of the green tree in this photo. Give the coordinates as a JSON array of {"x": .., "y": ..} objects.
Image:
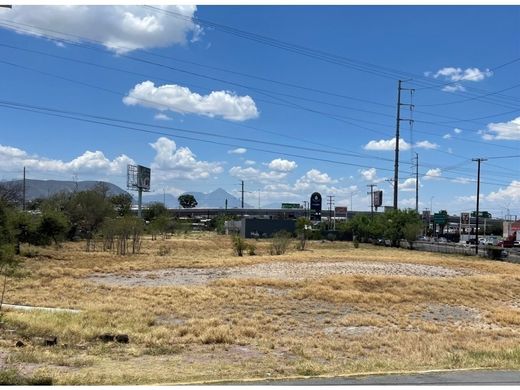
[
  {"x": 154, "y": 210},
  {"x": 8, "y": 261},
  {"x": 122, "y": 204},
  {"x": 53, "y": 226},
  {"x": 411, "y": 230},
  {"x": 87, "y": 210},
  {"x": 187, "y": 201}
]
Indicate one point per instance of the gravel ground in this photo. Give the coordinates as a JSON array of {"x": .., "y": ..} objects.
[{"x": 278, "y": 271}]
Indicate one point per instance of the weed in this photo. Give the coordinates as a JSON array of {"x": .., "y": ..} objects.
[
  {"x": 280, "y": 243},
  {"x": 239, "y": 245}
]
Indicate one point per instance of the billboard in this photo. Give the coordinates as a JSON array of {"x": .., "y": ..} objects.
[
  {"x": 464, "y": 218},
  {"x": 426, "y": 215},
  {"x": 378, "y": 199},
  {"x": 340, "y": 212},
  {"x": 138, "y": 178},
  {"x": 316, "y": 206}
]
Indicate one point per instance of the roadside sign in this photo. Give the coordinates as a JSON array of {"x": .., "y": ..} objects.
[
  {"x": 464, "y": 218},
  {"x": 440, "y": 219}
]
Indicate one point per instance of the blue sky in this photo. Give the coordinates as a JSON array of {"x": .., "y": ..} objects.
[{"x": 158, "y": 72}]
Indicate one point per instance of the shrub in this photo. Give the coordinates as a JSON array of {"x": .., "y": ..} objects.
[
  {"x": 251, "y": 249},
  {"x": 239, "y": 245},
  {"x": 280, "y": 243},
  {"x": 356, "y": 243}
]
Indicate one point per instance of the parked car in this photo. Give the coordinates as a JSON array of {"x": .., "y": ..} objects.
[{"x": 516, "y": 244}]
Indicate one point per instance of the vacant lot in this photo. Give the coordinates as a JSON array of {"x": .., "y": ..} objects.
[{"x": 195, "y": 312}]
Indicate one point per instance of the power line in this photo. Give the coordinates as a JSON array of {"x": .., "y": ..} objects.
[
  {"x": 259, "y": 90},
  {"x": 218, "y": 143}
]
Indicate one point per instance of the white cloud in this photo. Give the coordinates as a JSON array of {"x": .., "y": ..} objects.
[
  {"x": 426, "y": 145},
  {"x": 408, "y": 185},
  {"x": 511, "y": 193},
  {"x": 503, "y": 131},
  {"x": 369, "y": 174},
  {"x": 432, "y": 174},
  {"x": 446, "y": 136},
  {"x": 457, "y": 130},
  {"x": 386, "y": 144},
  {"x": 282, "y": 165},
  {"x": 171, "y": 162},
  {"x": 91, "y": 163},
  {"x": 458, "y": 74},
  {"x": 162, "y": 117},
  {"x": 254, "y": 174},
  {"x": 180, "y": 99},
  {"x": 462, "y": 180},
  {"x": 120, "y": 28},
  {"x": 457, "y": 87},
  {"x": 250, "y": 162},
  {"x": 237, "y": 151},
  {"x": 315, "y": 176}
]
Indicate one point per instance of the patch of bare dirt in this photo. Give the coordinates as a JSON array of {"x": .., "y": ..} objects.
[
  {"x": 448, "y": 313},
  {"x": 277, "y": 271}
]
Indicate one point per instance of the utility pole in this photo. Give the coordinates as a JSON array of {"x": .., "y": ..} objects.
[
  {"x": 371, "y": 193},
  {"x": 23, "y": 200},
  {"x": 242, "y": 193},
  {"x": 478, "y": 160},
  {"x": 331, "y": 202},
  {"x": 397, "y": 138},
  {"x": 417, "y": 183}
]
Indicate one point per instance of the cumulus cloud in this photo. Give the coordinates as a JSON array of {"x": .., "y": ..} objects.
[
  {"x": 426, "y": 145},
  {"x": 386, "y": 144},
  {"x": 457, "y": 130},
  {"x": 120, "y": 28},
  {"x": 282, "y": 165},
  {"x": 459, "y": 74},
  {"x": 237, "y": 151},
  {"x": 254, "y": 174},
  {"x": 180, "y": 99},
  {"x": 12, "y": 158},
  {"x": 250, "y": 162},
  {"x": 433, "y": 174},
  {"x": 171, "y": 162},
  {"x": 369, "y": 174},
  {"x": 511, "y": 193},
  {"x": 446, "y": 136},
  {"x": 408, "y": 185},
  {"x": 502, "y": 131}
]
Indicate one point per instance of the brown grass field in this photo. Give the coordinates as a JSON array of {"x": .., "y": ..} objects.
[{"x": 194, "y": 312}]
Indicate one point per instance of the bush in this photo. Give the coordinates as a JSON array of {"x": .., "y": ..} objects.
[
  {"x": 280, "y": 243},
  {"x": 239, "y": 245},
  {"x": 251, "y": 249},
  {"x": 356, "y": 243}
]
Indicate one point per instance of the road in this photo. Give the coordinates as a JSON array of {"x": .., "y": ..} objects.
[{"x": 430, "y": 378}]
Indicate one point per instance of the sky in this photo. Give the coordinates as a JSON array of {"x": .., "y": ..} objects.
[{"x": 289, "y": 99}]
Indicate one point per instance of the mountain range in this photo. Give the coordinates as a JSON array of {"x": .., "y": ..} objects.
[
  {"x": 35, "y": 189},
  {"x": 214, "y": 199}
]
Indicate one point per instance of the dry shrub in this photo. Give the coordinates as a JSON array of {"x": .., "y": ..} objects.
[
  {"x": 280, "y": 243},
  {"x": 239, "y": 245}
]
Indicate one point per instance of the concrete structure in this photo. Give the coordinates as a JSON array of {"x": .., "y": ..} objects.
[{"x": 259, "y": 227}]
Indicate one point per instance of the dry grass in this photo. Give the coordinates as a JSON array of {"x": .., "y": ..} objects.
[{"x": 238, "y": 328}]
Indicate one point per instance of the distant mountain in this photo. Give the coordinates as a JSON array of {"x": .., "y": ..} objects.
[
  {"x": 35, "y": 189},
  {"x": 215, "y": 199}
]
